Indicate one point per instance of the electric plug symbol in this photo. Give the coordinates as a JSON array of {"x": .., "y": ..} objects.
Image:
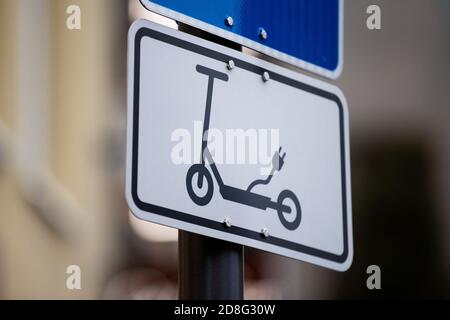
[{"x": 278, "y": 160}]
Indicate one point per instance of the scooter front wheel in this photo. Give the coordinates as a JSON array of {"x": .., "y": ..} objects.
[
  {"x": 290, "y": 224},
  {"x": 200, "y": 170}
]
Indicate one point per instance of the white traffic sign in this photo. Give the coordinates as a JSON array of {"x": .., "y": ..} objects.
[{"x": 232, "y": 147}]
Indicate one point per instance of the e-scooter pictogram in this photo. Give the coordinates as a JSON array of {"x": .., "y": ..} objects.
[{"x": 230, "y": 193}]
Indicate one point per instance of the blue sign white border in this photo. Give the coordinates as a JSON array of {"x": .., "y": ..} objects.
[{"x": 255, "y": 45}]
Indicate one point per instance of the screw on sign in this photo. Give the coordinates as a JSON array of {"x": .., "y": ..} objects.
[{"x": 229, "y": 21}]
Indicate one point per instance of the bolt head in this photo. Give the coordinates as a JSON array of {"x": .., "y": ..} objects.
[
  {"x": 229, "y": 21},
  {"x": 266, "y": 76},
  {"x": 265, "y": 232},
  {"x": 230, "y": 65},
  {"x": 262, "y": 33},
  {"x": 227, "y": 222}
]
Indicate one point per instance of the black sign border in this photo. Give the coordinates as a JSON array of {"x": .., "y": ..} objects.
[{"x": 173, "y": 214}]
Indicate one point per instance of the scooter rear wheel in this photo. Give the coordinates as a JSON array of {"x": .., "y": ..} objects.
[
  {"x": 201, "y": 170},
  {"x": 289, "y": 224}
]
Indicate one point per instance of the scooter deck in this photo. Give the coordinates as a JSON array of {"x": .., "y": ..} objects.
[
  {"x": 251, "y": 199},
  {"x": 245, "y": 197}
]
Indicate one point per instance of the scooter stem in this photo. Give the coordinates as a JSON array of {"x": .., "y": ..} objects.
[{"x": 212, "y": 74}]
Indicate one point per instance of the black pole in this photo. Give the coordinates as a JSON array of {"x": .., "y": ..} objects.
[{"x": 209, "y": 268}]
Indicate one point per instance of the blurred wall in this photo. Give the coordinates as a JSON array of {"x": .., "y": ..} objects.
[{"x": 61, "y": 93}]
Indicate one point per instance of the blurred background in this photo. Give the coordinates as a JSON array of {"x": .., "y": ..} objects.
[{"x": 62, "y": 159}]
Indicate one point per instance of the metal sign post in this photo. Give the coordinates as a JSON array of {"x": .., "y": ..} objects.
[{"x": 209, "y": 268}]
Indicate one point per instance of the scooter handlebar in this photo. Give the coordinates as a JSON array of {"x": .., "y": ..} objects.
[{"x": 212, "y": 73}]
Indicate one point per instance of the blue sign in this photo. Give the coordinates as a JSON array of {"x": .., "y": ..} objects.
[{"x": 305, "y": 33}]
